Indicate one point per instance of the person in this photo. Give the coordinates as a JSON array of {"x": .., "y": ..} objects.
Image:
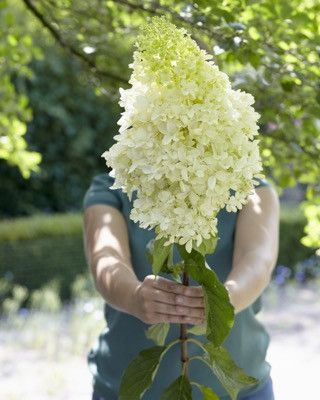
[{"x": 244, "y": 259}]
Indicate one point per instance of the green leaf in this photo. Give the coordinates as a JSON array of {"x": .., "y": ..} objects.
[
  {"x": 158, "y": 333},
  {"x": 254, "y": 33},
  {"x": 198, "y": 330},
  {"x": 140, "y": 373},
  {"x": 180, "y": 389},
  {"x": 207, "y": 392},
  {"x": 219, "y": 310},
  {"x": 175, "y": 270},
  {"x": 158, "y": 254},
  {"x": 207, "y": 246},
  {"x": 230, "y": 375}
]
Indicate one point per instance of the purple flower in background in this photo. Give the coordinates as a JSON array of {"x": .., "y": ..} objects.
[
  {"x": 300, "y": 276},
  {"x": 282, "y": 274},
  {"x": 23, "y": 312},
  {"x": 308, "y": 269}
]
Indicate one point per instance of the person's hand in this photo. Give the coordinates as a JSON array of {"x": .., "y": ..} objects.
[{"x": 161, "y": 300}]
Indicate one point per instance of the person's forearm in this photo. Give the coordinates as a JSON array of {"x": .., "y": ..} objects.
[
  {"x": 248, "y": 278},
  {"x": 116, "y": 283}
]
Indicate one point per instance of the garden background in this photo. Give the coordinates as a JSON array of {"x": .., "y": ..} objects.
[{"x": 61, "y": 65}]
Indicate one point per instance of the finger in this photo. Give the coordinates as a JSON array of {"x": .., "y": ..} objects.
[
  {"x": 162, "y": 296},
  {"x": 174, "y": 299},
  {"x": 176, "y": 319},
  {"x": 190, "y": 301},
  {"x": 194, "y": 291},
  {"x": 165, "y": 284},
  {"x": 197, "y": 322},
  {"x": 178, "y": 310},
  {"x": 177, "y": 299}
]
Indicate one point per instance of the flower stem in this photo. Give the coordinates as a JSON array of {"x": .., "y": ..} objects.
[{"x": 184, "y": 336}]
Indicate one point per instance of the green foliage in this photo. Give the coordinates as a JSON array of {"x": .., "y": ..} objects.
[
  {"x": 198, "y": 330},
  {"x": 207, "y": 392},
  {"x": 232, "y": 377},
  {"x": 219, "y": 311},
  {"x": 312, "y": 229},
  {"x": 158, "y": 333},
  {"x": 180, "y": 389},
  {"x": 160, "y": 258},
  {"x": 71, "y": 128},
  {"x": 33, "y": 263},
  {"x": 158, "y": 255},
  {"x": 140, "y": 373},
  {"x": 16, "y": 51},
  {"x": 35, "y": 251},
  {"x": 11, "y": 303},
  {"x": 292, "y": 222},
  {"x": 207, "y": 246},
  {"x": 83, "y": 288},
  {"x": 40, "y": 226},
  {"x": 47, "y": 298}
]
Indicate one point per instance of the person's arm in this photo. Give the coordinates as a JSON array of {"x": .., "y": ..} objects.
[
  {"x": 108, "y": 255},
  {"x": 256, "y": 248},
  {"x": 155, "y": 299}
]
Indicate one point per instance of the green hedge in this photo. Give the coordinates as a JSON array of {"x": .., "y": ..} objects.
[
  {"x": 291, "y": 251},
  {"x": 39, "y": 226},
  {"x": 40, "y": 249},
  {"x": 37, "y": 250}
]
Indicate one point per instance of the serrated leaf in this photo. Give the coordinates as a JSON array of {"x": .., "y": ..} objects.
[
  {"x": 219, "y": 310},
  {"x": 140, "y": 373},
  {"x": 229, "y": 374},
  {"x": 180, "y": 389},
  {"x": 159, "y": 255},
  {"x": 208, "y": 393},
  {"x": 158, "y": 333},
  {"x": 207, "y": 246}
]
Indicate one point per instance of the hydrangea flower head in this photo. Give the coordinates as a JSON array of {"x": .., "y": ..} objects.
[{"x": 186, "y": 142}]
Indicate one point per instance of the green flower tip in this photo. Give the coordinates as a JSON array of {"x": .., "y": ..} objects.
[{"x": 160, "y": 41}]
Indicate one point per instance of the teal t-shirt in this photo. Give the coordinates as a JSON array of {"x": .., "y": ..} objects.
[{"x": 124, "y": 335}]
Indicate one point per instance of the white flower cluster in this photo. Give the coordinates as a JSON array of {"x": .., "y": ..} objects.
[{"x": 186, "y": 138}]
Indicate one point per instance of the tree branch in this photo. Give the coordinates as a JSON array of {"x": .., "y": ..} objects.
[
  {"x": 69, "y": 47},
  {"x": 139, "y": 7},
  {"x": 160, "y": 10}
]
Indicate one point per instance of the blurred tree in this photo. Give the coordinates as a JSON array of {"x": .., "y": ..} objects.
[
  {"x": 16, "y": 51},
  {"x": 71, "y": 126},
  {"x": 270, "y": 48}
]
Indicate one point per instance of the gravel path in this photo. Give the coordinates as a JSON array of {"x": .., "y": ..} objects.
[
  {"x": 40, "y": 369},
  {"x": 292, "y": 318}
]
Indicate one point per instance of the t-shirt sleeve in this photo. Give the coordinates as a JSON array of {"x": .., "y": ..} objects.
[{"x": 99, "y": 192}]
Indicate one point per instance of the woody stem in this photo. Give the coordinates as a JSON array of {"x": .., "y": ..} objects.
[{"x": 184, "y": 336}]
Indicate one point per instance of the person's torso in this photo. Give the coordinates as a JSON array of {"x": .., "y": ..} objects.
[{"x": 124, "y": 337}]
